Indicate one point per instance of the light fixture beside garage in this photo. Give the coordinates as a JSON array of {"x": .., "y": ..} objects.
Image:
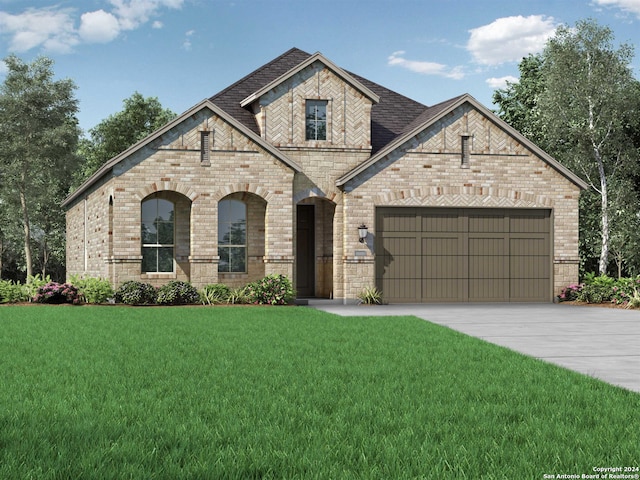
[{"x": 362, "y": 232}]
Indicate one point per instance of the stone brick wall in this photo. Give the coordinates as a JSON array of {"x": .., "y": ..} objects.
[{"x": 427, "y": 171}]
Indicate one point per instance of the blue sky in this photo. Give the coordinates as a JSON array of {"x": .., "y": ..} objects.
[{"x": 183, "y": 51}]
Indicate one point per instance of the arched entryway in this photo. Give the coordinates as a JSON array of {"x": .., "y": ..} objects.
[{"x": 314, "y": 247}]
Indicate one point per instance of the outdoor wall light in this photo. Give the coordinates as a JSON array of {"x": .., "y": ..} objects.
[{"x": 362, "y": 232}]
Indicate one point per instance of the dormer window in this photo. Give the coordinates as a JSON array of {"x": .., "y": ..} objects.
[{"x": 316, "y": 119}]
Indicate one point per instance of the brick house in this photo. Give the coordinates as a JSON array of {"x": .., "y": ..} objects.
[{"x": 275, "y": 174}]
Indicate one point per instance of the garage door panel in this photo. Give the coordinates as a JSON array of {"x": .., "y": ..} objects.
[
  {"x": 488, "y": 290},
  {"x": 455, "y": 254}
]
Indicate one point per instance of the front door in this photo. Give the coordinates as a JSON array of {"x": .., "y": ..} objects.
[{"x": 305, "y": 251}]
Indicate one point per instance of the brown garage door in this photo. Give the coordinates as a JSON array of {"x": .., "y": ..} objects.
[{"x": 463, "y": 255}]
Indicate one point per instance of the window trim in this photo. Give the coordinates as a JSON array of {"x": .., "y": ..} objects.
[
  {"x": 244, "y": 246},
  {"x": 465, "y": 150},
  {"x": 158, "y": 246},
  {"x": 314, "y": 122}
]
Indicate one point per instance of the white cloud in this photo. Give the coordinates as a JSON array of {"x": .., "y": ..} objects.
[
  {"x": 632, "y": 6},
  {"x": 186, "y": 45},
  {"x": 132, "y": 13},
  {"x": 501, "y": 82},
  {"x": 53, "y": 29},
  {"x": 509, "y": 39},
  {"x": 98, "y": 27},
  {"x": 157, "y": 25},
  {"x": 425, "y": 68}
]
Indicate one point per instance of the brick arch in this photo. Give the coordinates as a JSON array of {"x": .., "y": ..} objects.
[
  {"x": 463, "y": 197},
  {"x": 332, "y": 196},
  {"x": 164, "y": 186},
  {"x": 258, "y": 190}
]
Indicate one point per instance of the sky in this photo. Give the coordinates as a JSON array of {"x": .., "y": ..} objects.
[{"x": 183, "y": 51}]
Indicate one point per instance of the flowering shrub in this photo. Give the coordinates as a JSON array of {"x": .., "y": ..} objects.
[
  {"x": 136, "y": 293},
  {"x": 570, "y": 293},
  {"x": 57, "y": 293},
  {"x": 271, "y": 290},
  {"x": 177, "y": 293}
]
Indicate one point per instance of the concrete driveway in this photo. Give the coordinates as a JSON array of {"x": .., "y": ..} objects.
[{"x": 600, "y": 342}]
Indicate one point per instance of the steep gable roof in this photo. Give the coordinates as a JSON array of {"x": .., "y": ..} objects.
[
  {"x": 435, "y": 113},
  {"x": 205, "y": 104},
  {"x": 389, "y": 115}
]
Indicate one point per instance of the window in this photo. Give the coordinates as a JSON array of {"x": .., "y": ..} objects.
[
  {"x": 232, "y": 236},
  {"x": 157, "y": 235},
  {"x": 316, "y": 115}
]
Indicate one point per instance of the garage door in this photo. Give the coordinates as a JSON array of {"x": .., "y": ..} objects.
[{"x": 463, "y": 255}]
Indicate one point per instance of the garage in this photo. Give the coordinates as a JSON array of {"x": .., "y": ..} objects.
[{"x": 463, "y": 254}]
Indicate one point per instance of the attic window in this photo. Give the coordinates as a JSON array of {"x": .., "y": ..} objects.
[
  {"x": 205, "y": 147},
  {"x": 464, "y": 144},
  {"x": 316, "y": 119}
]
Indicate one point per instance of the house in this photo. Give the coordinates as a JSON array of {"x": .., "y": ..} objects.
[{"x": 277, "y": 172}]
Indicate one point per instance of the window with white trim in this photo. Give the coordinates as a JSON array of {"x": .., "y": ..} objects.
[
  {"x": 232, "y": 236},
  {"x": 158, "y": 227},
  {"x": 316, "y": 119}
]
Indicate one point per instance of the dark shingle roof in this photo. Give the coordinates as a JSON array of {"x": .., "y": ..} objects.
[{"x": 389, "y": 118}]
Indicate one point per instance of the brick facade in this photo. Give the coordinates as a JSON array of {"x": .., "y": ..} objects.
[{"x": 272, "y": 168}]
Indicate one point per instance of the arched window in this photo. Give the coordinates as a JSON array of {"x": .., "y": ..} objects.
[
  {"x": 232, "y": 236},
  {"x": 158, "y": 221}
]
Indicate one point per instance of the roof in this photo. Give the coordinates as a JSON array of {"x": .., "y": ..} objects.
[{"x": 394, "y": 117}]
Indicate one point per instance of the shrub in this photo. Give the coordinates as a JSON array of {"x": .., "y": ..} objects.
[
  {"x": 597, "y": 289},
  {"x": 93, "y": 290},
  {"x": 136, "y": 293},
  {"x": 239, "y": 295},
  {"x": 370, "y": 296},
  {"x": 214, "y": 294},
  {"x": 11, "y": 292},
  {"x": 54, "y": 292},
  {"x": 634, "y": 299},
  {"x": 177, "y": 292},
  {"x": 271, "y": 290},
  {"x": 570, "y": 293},
  {"x": 34, "y": 282}
]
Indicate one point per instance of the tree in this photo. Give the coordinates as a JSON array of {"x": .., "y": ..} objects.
[
  {"x": 518, "y": 102},
  {"x": 140, "y": 117},
  {"x": 588, "y": 85},
  {"x": 579, "y": 101},
  {"x": 38, "y": 137}
]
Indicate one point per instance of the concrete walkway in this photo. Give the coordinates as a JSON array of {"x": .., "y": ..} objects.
[{"x": 600, "y": 342}]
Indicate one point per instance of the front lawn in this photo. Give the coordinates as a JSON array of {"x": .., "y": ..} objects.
[{"x": 289, "y": 392}]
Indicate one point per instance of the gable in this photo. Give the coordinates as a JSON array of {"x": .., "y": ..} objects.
[
  {"x": 182, "y": 137},
  {"x": 439, "y": 130}
]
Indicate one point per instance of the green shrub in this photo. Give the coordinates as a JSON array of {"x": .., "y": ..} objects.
[
  {"x": 93, "y": 290},
  {"x": 370, "y": 296},
  {"x": 634, "y": 299},
  {"x": 570, "y": 292},
  {"x": 136, "y": 293},
  {"x": 238, "y": 295},
  {"x": 214, "y": 294},
  {"x": 597, "y": 289},
  {"x": 57, "y": 293},
  {"x": 34, "y": 282},
  {"x": 271, "y": 290},
  {"x": 177, "y": 292},
  {"x": 11, "y": 292}
]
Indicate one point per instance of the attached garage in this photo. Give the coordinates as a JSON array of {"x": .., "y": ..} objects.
[{"x": 463, "y": 255}]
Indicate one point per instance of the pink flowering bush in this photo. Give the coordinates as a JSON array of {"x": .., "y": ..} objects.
[
  {"x": 570, "y": 292},
  {"x": 57, "y": 293},
  {"x": 271, "y": 290}
]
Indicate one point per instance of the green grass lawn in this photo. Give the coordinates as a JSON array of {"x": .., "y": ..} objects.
[{"x": 290, "y": 392}]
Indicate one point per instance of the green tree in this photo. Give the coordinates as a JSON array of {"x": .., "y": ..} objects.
[
  {"x": 588, "y": 84},
  {"x": 140, "y": 117},
  {"x": 579, "y": 101},
  {"x": 38, "y": 137}
]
